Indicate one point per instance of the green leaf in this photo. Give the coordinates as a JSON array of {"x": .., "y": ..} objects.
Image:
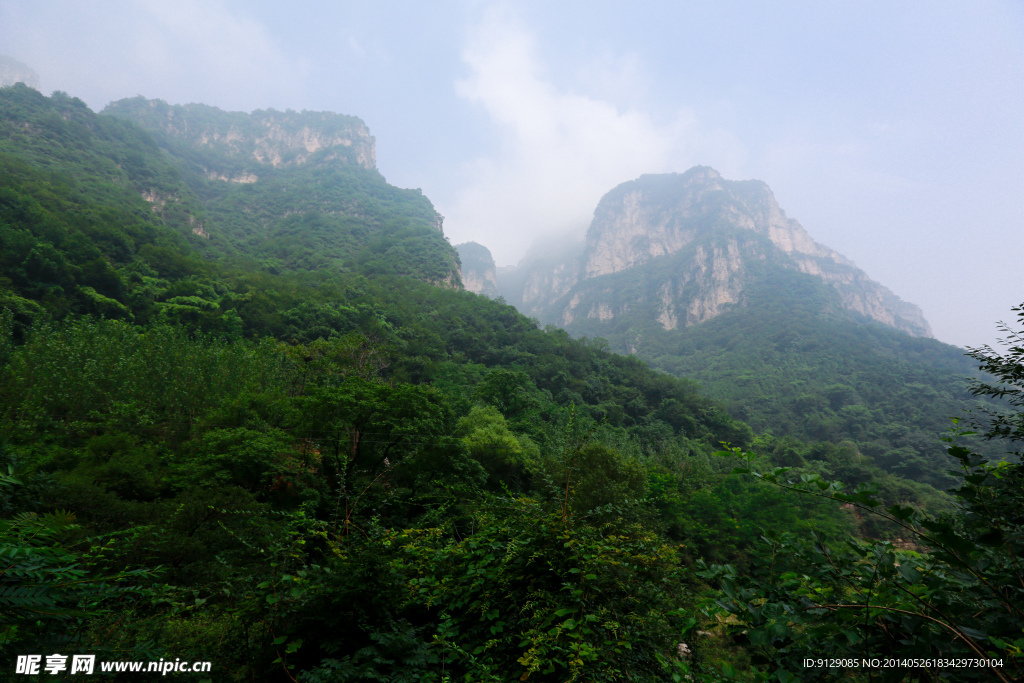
[{"x": 909, "y": 573}]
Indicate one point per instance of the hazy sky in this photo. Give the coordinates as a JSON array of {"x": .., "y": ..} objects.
[{"x": 893, "y": 131}]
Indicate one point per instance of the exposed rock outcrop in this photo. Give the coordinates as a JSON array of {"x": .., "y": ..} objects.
[
  {"x": 479, "y": 274},
  {"x": 658, "y": 215},
  {"x": 686, "y": 242},
  {"x": 264, "y": 137}
]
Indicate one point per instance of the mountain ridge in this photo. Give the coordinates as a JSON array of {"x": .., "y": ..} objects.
[
  {"x": 708, "y": 279},
  {"x": 265, "y": 137},
  {"x": 103, "y": 216},
  {"x": 713, "y": 227},
  {"x": 286, "y": 434},
  {"x": 268, "y": 177}
]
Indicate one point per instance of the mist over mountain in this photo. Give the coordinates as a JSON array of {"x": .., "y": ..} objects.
[
  {"x": 254, "y": 412},
  {"x": 710, "y": 280},
  {"x": 244, "y": 143},
  {"x": 684, "y": 248},
  {"x": 479, "y": 274},
  {"x": 12, "y": 71}
]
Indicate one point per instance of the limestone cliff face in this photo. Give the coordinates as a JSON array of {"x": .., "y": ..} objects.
[
  {"x": 660, "y": 215},
  {"x": 544, "y": 285},
  {"x": 479, "y": 274},
  {"x": 550, "y": 270},
  {"x": 263, "y": 138},
  {"x": 703, "y": 284},
  {"x": 683, "y": 245},
  {"x": 704, "y": 289}
]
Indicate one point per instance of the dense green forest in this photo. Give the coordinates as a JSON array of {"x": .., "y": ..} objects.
[
  {"x": 219, "y": 448},
  {"x": 97, "y": 219},
  {"x": 790, "y": 361}
]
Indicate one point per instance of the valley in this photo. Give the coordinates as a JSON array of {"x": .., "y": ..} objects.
[{"x": 257, "y": 410}]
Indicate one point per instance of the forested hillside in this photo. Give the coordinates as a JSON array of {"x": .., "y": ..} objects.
[
  {"x": 217, "y": 448},
  {"x": 789, "y": 362},
  {"x": 708, "y": 279},
  {"x": 297, "y": 190},
  {"x": 97, "y": 218},
  {"x": 76, "y": 232}
]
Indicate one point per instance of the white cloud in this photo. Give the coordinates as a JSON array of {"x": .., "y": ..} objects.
[{"x": 561, "y": 150}]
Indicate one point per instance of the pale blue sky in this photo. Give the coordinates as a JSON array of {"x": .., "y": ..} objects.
[{"x": 893, "y": 131}]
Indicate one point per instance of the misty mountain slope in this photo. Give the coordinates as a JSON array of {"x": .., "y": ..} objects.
[
  {"x": 13, "y": 72},
  {"x": 290, "y": 421},
  {"x": 99, "y": 217},
  {"x": 713, "y": 229},
  {"x": 299, "y": 190},
  {"x": 479, "y": 274},
  {"x": 708, "y": 279}
]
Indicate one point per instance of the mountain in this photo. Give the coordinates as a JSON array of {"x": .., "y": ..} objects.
[
  {"x": 708, "y": 279},
  {"x": 101, "y": 216},
  {"x": 687, "y": 247},
  {"x": 236, "y": 147},
  {"x": 298, "y": 190},
  {"x": 479, "y": 274},
  {"x": 78, "y": 232},
  {"x": 248, "y": 416}
]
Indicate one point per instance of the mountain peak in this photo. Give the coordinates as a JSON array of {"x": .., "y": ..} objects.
[
  {"x": 691, "y": 238},
  {"x": 659, "y": 214}
]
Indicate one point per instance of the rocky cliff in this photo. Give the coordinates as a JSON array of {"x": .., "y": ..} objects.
[
  {"x": 479, "y": 274},
  {"x": 298, "y": 190},
  {"x": 236, "y": 145},
  {"x": 682, "y": 247}
]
